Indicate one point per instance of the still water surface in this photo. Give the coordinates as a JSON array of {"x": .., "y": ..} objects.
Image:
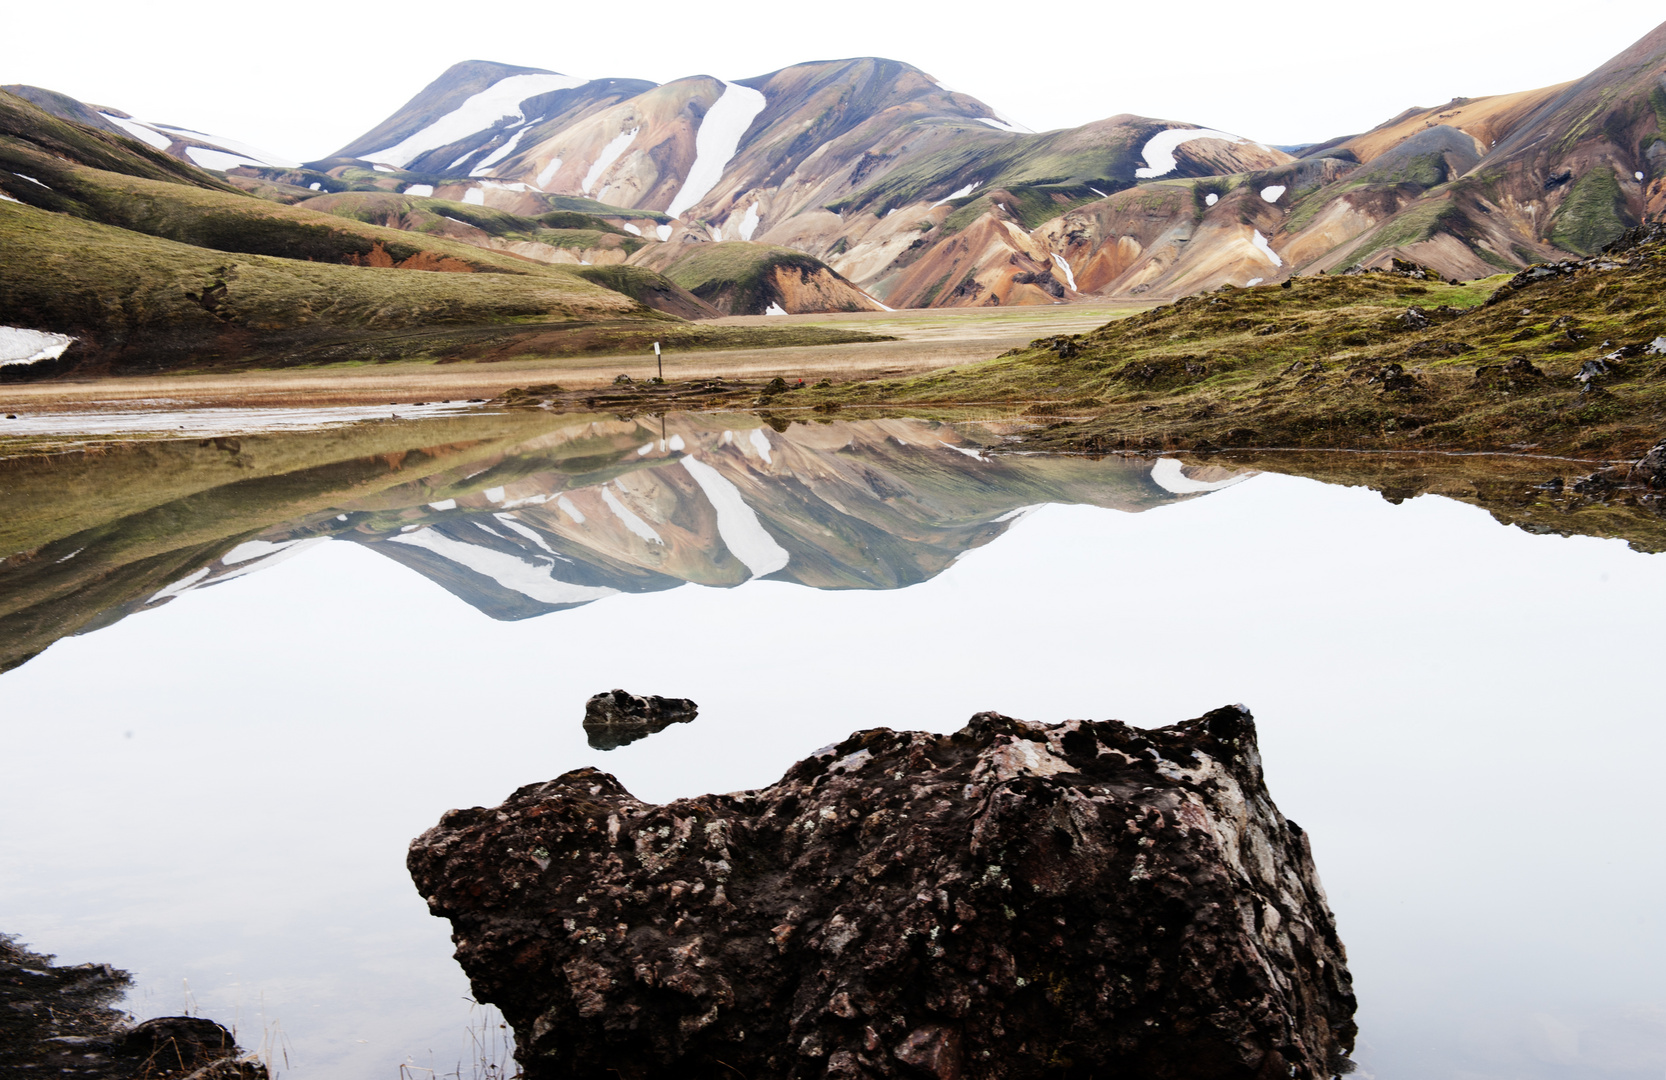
[{"x": 216, "y": 791}]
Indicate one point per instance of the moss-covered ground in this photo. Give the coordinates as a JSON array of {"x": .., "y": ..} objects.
[{"x": 1336, "y": 362}]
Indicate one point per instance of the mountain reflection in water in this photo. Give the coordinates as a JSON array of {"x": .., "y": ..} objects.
[
  {"x": 217, "y": 784},
  {"x": 566, "y": 516}
]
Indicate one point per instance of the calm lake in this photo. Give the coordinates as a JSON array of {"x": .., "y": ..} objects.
[{"x": 242, "y": 673}]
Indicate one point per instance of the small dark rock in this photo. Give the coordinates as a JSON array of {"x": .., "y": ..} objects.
[
  {"x": 1414, "y": 318},
  {"x": 618, "y": 718},
  {"x": 1393, "y": 377}
]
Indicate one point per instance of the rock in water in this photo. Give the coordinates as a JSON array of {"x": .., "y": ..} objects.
[
  {"x": 1013, "y": 900},
  {"x": 617, "y": 718}
]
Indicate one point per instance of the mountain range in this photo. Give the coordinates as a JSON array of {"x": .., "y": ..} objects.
[{"x": 862, "y": 183}]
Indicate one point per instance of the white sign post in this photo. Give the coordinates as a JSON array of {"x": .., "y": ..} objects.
[{"x": 659, "y": 361}]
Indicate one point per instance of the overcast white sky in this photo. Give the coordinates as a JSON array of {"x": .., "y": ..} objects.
[{"x": 303, "y": 81}]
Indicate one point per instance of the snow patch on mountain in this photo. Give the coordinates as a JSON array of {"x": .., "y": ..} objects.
[
  {"x": 422, "y": 191},
  {"x": 760, "y": 443},
  {"x": 775, "y": 309},
  {"x": 737, "y": 523},
  {"x": 232, "y": 146},
  {"x": 632, "y": 229},
  {"x": 502, "y": 100},
  {"x": 1211, "y": 199},
  {"x": 1266, "y": 249},
  {"x": 959, "y": 193},
  {"x": 548, "y": 172},
  {"x": 217, "y": 159},
  {"x": 143, "y": 132},
  {"x": 749, "y": 223},
  {"x": 484, "y": 165},
  {"x": 1273, "y": 193},
  {"x": 610, "y": 153},
  {"x": 20, "y": 346},
  {"x": 1069, "y": 275},
  {"x": 716, "y": 143},
  {"x": 662, "y": 231},
  {"x": 1159, "y": 150},
  {"x": 517, "y": 575}
]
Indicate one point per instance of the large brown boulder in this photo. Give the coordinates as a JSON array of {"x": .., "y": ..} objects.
[{"x": 1013, "y": 900}]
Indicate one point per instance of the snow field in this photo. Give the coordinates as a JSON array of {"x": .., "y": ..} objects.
[
  {"x": 610, "y": 153},
  {"x": 1159, "y": 151},
  {"x": 716, "y": 143},
  {"x": 959, "y": 193},
  {"x": 1266, "y": 249},
  {"x": 485, "y": 164},
  {"x": 499, "y": 101},
  {"x": 1069, "y": 275},
  {"x": 142, "y": 132},
  {"x": 20, "y": 346}
]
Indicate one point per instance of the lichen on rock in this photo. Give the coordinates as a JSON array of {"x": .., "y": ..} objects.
[{"x": 1012, "y": 900}]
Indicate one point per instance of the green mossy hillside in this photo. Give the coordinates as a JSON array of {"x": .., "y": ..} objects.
[{"x": 1376, "y": 360}]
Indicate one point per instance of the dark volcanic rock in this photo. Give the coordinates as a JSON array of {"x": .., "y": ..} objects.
[
  {"x": 1013, "y": 900},
  {"x": 617, "y": 718}
]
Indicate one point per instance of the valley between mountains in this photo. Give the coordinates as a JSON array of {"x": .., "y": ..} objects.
[{"x": 514, "y": 214}]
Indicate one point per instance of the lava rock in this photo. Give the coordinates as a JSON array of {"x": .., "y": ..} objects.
[
  {"x": 618, "y": 718},
  {"x": 1015, "y": 900}
]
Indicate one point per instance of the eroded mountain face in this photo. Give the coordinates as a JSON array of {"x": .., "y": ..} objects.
[{"x": 528, "y": 515}]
